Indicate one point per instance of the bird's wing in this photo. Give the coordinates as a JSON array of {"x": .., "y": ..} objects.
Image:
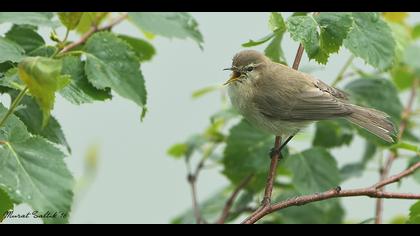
[
  {"x": 331, "y": 90},
  {"x": 303, "y": 99}
]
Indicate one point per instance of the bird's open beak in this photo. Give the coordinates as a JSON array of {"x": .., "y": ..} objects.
[{"x": 235, "y": 75}]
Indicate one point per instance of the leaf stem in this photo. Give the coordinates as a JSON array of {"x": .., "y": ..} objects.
[
  {"x": 340, "y": 75},
  {"x": 77, "y": 52},
  {"x": 13, "y": 106}
]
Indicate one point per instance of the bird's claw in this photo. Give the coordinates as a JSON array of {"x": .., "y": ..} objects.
[{"x": 274, "y": 152}]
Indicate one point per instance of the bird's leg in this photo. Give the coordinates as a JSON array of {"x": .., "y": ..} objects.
[
  {"x": 286, "y": 142},
  {"x": 275, "y": 151}
]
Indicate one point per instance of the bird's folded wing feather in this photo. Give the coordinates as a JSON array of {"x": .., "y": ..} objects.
[{"x": 313, "y": 100}]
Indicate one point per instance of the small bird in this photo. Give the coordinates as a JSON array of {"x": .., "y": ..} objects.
[{"x": 281, "y": 101}]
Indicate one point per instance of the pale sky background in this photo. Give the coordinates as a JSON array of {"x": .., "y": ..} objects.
[{"x": 136, "y": 181}]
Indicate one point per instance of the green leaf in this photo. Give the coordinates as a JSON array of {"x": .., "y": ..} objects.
[
  {"x": 168, "y": 24},
  {"x": 70, "y": 19},
  {"x": 300, "y": 13},
  {"x": 376, "y": 93},
  {"x": 203, "y": 91},
  {"x": 11, "y": 80},
  {"x": 415, "y": 32},
  {"x": 143, "y": 49},
  {"x": 33, "y": 171},
  {"x": 26, "y": 37},
  {"x": 42, "y": 76},
  {"x": 178, "y": 150},
  {"x": 402, "y": 37},
  {"x": 304, "y": 30},
  {"x": 90, "y": 18},
  {"x": 44, "y": 51},
  {"x": 356, "y": 169},
  {"x": 110, "y": 62},
  {"x": 414, "y": 214},
  {"x": 274, "y": 50},
  {"x": 6, "y": 204},
  {"x": 411, "y": 56},
  {"x": 332, "y": 133},
  {"x": 276, "y": 23},
  {"x": 32, "y": 116},
  {"x": 225, "y": 114},
  {"x": 213, "y": 132},
  {"x": 402, "y": 76},
  {"x": 10, "y": 51},
  {"x": 333, "y": 29},
  {"x": 79, "y": 90},
  {"x": 252, "y": 43},
  {"x": 247, "y": 152},
  {"x": 313, "y": 170},
  {"x": 371, "y": 39},
  {"x": 399, "y": 219},
  {"x": 326, "y": 212},
  {"x": 28, "y": 18}
]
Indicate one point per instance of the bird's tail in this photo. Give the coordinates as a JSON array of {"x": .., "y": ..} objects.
[{"x": 374, "y": 121}]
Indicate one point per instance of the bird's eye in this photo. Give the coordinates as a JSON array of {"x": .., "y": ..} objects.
[{"x": 249, "y": 69}]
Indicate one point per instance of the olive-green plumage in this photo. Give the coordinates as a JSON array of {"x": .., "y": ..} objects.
[{"x": 282, "y": 101}]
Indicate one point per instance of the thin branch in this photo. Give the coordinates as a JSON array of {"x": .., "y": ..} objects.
[
  {"x": 229, "y": 203},
  {"x": 192, "y": 180},
  {"x": 94, "y": 28},
  {"x": 275, "y": 157},
  {"x": 397, "y": 177},
  {"x": 374, "y": 192},
  {"x": 298, "y": 57},
  {"x": 384, "y": 171},
  {"x": 193, "y": 184},
  {"x": 272, "y": 172}
]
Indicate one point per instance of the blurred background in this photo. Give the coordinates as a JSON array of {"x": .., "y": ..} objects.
[{"x": 132, "y": 179}]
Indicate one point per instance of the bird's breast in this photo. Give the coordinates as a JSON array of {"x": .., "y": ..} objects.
[{"x": 241, "y": 98}]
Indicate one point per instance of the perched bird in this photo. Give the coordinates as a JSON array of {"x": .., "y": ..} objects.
[{"x": 280, "y": 100}]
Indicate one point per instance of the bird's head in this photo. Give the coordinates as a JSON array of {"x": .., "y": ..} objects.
[{"x": 246, "y": 65}]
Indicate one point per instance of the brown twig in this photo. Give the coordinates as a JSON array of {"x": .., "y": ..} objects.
[
  {"x": 384, "y": 171},
  {"x": 374, "y": 192},
  {"x": 94, "y": 28},
  {"x": 272, "y": 172},
  {"x": 298, "y": 57},
  {"x": 229, "y": 203},
  {"x": 196, "y": 208},
  {"x": 192, "y": 180}
]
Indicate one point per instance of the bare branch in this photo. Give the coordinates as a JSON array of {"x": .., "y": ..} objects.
[
  {"x": 192, "y": 180},
  {"x": 94, "y": 28},
  {"x": 373, "y": 192},
  {"x": 231, "y": 200}
]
